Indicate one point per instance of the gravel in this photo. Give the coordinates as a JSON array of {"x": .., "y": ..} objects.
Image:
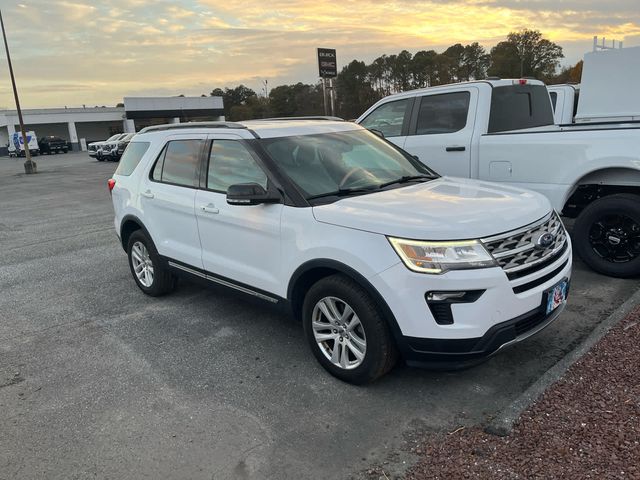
[{"x": 585, "y": 426}]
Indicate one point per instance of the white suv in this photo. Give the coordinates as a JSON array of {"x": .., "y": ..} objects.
[{"x": 374, "y": 252}]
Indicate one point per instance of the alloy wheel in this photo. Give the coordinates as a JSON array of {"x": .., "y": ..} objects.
[
  {"x": 339, "y": 333},
  {"x": 142, "y": 264},
  {"x": 615, "y": 238}
]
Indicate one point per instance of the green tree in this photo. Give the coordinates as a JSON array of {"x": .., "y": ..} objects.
[
  {"x": 355, "y": 93},
  {"x": 525, "y": 54},
  {"x": 422, "y": 68}
]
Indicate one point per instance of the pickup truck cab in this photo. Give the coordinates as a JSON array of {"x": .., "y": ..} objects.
[
  {"x": 564, "y": 99},
  {"x": 52, "y": 144},
  {"x": 504, "y": 131},
  {"x": 373, "y": 252}
]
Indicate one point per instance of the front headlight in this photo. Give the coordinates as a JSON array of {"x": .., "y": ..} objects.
[{"x": 439, "y": 257}]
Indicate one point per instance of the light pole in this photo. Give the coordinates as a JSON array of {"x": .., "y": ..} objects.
[{"x": 29, "y": 165}]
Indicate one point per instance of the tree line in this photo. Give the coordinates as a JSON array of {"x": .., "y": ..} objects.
[{"x": 358, "y": 85}]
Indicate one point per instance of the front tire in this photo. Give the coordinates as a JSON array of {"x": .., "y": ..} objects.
[
  {"x": 147, "y": 269},
  {"x": 346, "y": 331},
  {"x": 606, "y": 235}
]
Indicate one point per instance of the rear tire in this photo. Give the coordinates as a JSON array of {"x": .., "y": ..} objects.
[
  {"x": 606, "y": 235},
  {"x": 357, "y": 347},
  {"x": 146, "y": 267}
]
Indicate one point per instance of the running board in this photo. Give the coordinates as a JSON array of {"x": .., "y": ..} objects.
[{"x": 223, "y": 282}]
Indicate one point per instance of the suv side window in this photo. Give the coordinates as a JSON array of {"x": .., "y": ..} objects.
[
  {"x": 231, "y": 162},
  {"x": 388, "y": 118},
  {"x": 444, "y": 113},
  {"x": 178, "y": 163}
]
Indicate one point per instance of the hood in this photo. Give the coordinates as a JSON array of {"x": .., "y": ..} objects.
[{"x": 442, "y": 209}]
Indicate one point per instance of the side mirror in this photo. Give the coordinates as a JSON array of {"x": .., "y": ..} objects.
[
  {"x": 250, "y": 194},
  {"x": 377, "y": 132}
]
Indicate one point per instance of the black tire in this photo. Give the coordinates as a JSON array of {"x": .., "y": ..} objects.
[
  {"x": 584, "y": 230},
  {"x": 163, "y": 280},
  {"x": 380, "y": 354}
]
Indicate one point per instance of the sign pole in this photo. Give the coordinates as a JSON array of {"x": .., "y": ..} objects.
[
  {"x": 324, "y": 95},
  {"x": 29, "y": 165},
  {"x": 332, "y": 96}
]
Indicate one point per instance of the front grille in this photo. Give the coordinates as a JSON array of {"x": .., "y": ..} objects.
[
  {"x": 518, "y": 252},
  {"x": 92, "y": 148}
]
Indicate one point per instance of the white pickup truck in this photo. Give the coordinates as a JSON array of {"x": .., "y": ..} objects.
[{"x": 504, "y": 131}]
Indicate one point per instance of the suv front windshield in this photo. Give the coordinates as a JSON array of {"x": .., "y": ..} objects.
[{"x": 343, "y": 163}]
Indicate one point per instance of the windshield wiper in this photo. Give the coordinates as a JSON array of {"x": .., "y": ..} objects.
[
  {"x": 406, "y": 179},
  {"x": 343, "y": 192}
]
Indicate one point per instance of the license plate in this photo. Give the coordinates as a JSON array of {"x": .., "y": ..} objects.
[{"x": 556, "y": 296}]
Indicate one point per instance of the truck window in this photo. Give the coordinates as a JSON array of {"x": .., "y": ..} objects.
[
  {"x": 444, "y": 113},
  {"x": 515, "y": 107},
  {"x": 388, "y": 117},
  {"x": 554, "y": 99}
]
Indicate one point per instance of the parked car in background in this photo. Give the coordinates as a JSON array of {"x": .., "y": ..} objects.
[
  {"x": 113, "y": 150},
  {"x": 52, "y": 144},
  {"x": 374, "y": 252},
  {"x": 93, "y": 147},
  {"x": 504, "y": 131},
  {"x": 16, "y": 144}
]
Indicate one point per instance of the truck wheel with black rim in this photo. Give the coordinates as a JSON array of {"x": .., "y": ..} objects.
[
  {"x": 346, "y": 331},
  {"x": 606, "y": 235},
  {"x": 147, "y": 270}
]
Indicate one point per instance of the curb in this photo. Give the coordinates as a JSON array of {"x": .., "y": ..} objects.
[{"x": 503, "y": 423}]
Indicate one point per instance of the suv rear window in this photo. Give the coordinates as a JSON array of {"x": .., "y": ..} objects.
[
  {"x": 131, "y": 157},
  {"x": 178, "y": 163},
  {"x": 516, "y": 107}
]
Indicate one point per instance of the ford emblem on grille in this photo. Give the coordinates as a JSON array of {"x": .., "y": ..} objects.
[{"x": 545, "y": 241}]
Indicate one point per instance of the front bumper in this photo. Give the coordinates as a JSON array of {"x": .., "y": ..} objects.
[
  {"x": 507, "y": 311},
  {"x": 453, "y": 354}
]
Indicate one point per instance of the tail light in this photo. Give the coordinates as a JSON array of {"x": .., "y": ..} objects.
[
  {"x": 521, "y": 81},
  {"x": 111, "y": 183}
]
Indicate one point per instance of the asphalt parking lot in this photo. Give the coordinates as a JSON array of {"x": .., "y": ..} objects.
[{"x": 98, "y": 380}]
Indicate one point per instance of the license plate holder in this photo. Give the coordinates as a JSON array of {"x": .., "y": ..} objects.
[{"x": 556, "y": 296}]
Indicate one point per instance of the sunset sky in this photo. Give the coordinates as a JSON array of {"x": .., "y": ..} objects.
[{"x": 74, "y": 52}]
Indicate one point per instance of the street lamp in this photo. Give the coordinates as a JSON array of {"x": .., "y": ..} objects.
[{"x": 29, "y": 165}]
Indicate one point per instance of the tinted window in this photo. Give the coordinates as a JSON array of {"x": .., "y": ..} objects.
[
  {"x": 519, "y": 106},
  {"x": 131, "y": 157},
  {"x": 554, "y": 99},
  {"x": 178, "y": 163},
  {"x": 444, "y": 113},
  {"x": 388, "y": 118},
  {"x": 231, "y": 162}
]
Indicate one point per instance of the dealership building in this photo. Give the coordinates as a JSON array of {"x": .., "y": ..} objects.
[{"x": 81, "y": 126}]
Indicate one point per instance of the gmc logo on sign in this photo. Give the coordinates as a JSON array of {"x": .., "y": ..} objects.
[{"x": 327, "y": 63}]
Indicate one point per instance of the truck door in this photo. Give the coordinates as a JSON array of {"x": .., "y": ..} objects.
[{"x": 441, "y": 128}]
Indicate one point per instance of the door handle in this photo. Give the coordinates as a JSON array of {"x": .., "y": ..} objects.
[
  {"x": 456, "y": 149},
  {"x": 210, "y": 208},
  {"x": 147, "y": 194}
]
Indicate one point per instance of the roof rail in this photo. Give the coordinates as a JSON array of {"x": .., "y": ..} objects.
[
  {"x": 177, "y": 126},
  {"x": 310, "y": 117}
]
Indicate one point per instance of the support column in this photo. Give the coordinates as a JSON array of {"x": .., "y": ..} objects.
[
  {"x": 129, "y": 126},
  {"x": 73, "y": 136}
]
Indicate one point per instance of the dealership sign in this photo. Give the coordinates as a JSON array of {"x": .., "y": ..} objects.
[{"x": 327, "y": 63}]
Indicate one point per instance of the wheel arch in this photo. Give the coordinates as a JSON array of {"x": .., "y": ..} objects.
[
  {"x": 128, "y": 225},
  {"x": 314, "y": 270},
  {"x": 598, "y": 184}
]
